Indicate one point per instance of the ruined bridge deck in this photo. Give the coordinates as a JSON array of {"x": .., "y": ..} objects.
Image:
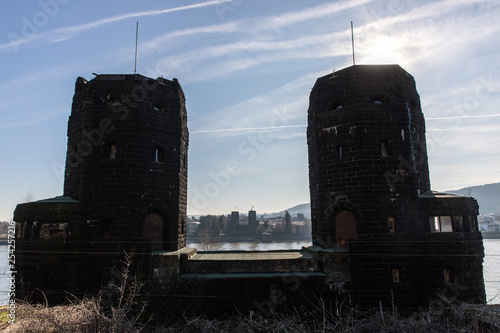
[
  {"x": 248, "y": 279},
  {"x": 188, "y": 263},
  {"x": 249, "y": 262},
  {"x": 255, "y": 255}
]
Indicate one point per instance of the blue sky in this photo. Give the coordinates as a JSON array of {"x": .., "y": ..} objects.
[{"x": 246, "y": 68}]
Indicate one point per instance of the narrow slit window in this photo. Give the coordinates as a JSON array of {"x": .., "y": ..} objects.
[
  {"x": 339, "y": 152},
  {"x": 395, "y": 275},
  {"x": 159, "y": 154},
  {"x": 383, "y": 148},
  {"x": 390, "y": 223},
  {"x": 112, "y": 152}
]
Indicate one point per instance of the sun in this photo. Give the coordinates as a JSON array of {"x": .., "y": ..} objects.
[{"x": 381, "y": 50}]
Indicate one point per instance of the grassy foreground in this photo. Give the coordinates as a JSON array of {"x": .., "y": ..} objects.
[
  {"x": 87, "y": 316},
  {"x": 130, "y": 311}
]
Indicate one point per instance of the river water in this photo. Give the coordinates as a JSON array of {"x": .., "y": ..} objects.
[{"x": 491, "y": 266}]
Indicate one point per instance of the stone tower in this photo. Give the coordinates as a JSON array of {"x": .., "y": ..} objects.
[
  {"x": 127, "y": 157},
  {"x": 371, "y": 197},
  {"x": 125, "y": 189},
  {"x": 367, "y": 153}
]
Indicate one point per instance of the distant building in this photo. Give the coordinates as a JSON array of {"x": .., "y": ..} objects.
[
  {"x": 193, "y": 227},
  {"x": 253, "y": 223}
]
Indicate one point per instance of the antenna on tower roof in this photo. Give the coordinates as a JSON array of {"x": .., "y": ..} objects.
[
  {"x": 352, "y": 41},
  {"x": 136, "y": 38}
]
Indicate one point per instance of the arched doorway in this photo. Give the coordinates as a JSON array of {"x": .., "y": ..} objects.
[
  {"x": 152, "y": 230},
  {"x": 345, "y": 228}
]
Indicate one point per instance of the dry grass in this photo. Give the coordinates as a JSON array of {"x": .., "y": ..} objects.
[
  {"x": 84, "y": 316},
  {"x": 124, "y": 314},
  {"x": 87, "y": 316}
]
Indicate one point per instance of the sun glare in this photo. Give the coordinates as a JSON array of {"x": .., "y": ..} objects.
[{"x": 381, "y": 51}]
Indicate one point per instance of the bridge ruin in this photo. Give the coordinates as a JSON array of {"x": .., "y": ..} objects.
[{"x": 380, "y": 236}]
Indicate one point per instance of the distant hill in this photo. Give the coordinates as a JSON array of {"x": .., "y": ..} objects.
[
  {"x": 488, "y": 197},
  {"x": 303, "y": 209}
]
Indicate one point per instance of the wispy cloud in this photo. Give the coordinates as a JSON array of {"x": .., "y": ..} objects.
[
  {"x": 419, "y": 39},
  {"x": 31, "y": 77},
  {"x": 465, "y": 117},
  {"x": 308, "y": 46},
  {"x": 324, "y": 10},
  {"x": 61, "y": 34},
  {"x": 255, "y": 25},
  {"x": 421, "y": 35},
  {"x": 160, "y": 43},
  {"x": 33, "y": 120},
  {"x": 193, "y": 67},
  {"x": 283, "y": 107},
  {"x": 446, "y": 178}
]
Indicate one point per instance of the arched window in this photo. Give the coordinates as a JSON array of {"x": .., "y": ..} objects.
[{"x": 345, "y": 228}]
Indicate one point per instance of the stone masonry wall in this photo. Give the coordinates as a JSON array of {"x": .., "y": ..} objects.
[
  {"x": 410, "y": 270},
  {"x": 60, "y": 254},
  {"x": 366, "y": 138},
  {"x": 370, "y": 192},
  {"x": 127, "y": 154}
]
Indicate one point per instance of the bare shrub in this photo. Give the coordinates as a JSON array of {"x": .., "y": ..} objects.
[
  {"x": 209, "y": 238},
  {"x": 87, "y": 315}
]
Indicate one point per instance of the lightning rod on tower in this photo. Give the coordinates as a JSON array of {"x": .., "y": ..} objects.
[
  {"x": 352, "y": 42},
  {"x": 136, "y": 38}
]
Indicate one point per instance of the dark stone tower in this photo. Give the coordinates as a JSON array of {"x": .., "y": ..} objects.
[
  {"x": 127, "y": 157},
  {"x": 367, "y": 153},
  {"x": 125, "y": 190},
  {"x": 371, "y": 198}
]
